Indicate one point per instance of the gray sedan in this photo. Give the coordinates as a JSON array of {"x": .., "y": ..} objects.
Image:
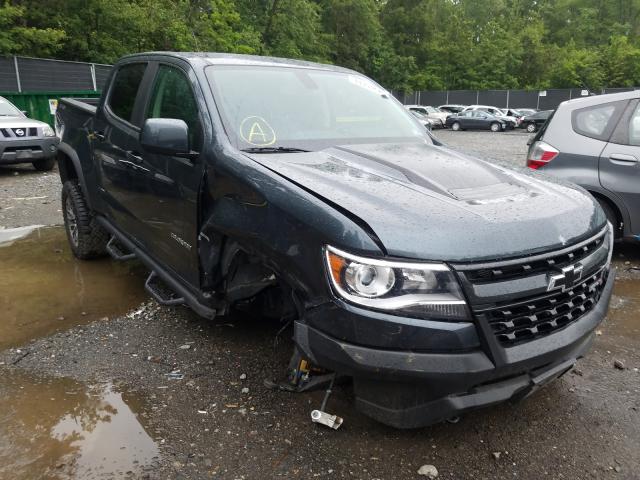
[{"x": 595, "y": 143}]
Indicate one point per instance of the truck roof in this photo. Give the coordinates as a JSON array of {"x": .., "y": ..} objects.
[{"x": 215, "y": 58}]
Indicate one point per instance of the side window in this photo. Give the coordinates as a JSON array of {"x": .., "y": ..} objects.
[
  {"x": 634, "y": 127},
  {"x": 125, "y": 89},
  {"x": 597, "y": 121},
  {"x": 172, "y": 97}
]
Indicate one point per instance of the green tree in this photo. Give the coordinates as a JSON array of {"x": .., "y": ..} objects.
[{"x": 16, "y": 37}]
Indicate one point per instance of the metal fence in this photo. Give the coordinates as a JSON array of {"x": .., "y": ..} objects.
[
  {"x": 26, "y": 74},
  {"x": 540, "y": 99}
]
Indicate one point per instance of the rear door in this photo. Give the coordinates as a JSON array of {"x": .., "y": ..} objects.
[
  {"x": 620, "y": 162},
  {"x": 116, "y": 147},
  {"x": 169, "y": 208}
]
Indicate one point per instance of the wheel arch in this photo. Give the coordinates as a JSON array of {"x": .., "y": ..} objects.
[{"x": 70, "y": 168}]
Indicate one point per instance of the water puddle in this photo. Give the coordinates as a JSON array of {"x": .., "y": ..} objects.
[
  {"x": 624, "y": 311},
  {"x": 57, "y": 428},
  {"x": 44, "y": 288}
]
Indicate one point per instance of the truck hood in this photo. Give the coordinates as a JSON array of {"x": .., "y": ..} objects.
[
  {"x": 428, "y": 202},
  {"x": 19, "y": 122}
]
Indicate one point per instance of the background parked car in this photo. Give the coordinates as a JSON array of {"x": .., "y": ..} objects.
[
  {"x": 595, "y": 142},
  {"x": 535, "y": 121},
  {"x": 527, "y": 111},
  {"x": 476, "y": 120},
  {"x": 23, "y": 140},
  {"x": 428, "y": 123},
  {"x": 512, "y": 122},
  {"x": 437, "y": 117},
  {"x": 451, "y": 108}
]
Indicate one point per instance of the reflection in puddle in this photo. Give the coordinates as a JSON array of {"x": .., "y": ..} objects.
[
  {"x": 43, "y": 288},
  {"x": 57, "y": 428},
  {"x": 624, "y": 312}
]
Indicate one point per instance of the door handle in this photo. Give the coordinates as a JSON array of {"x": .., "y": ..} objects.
[
  {"x": 99, "y": 135},
  {"x": 623, "y": 159},
  {"x": 135, "y": 157}
]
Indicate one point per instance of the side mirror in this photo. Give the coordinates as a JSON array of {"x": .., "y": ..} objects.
[
  {"x": 25, "y": 113},
  {"x": 166, "y": 136}
]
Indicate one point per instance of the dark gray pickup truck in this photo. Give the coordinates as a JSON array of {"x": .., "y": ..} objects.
[{"x": 438, "y": 283}]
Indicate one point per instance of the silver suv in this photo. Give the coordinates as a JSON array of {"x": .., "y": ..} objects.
[
  {"x": 595, "y": 143},
  {"x": 23, "y": 140}
]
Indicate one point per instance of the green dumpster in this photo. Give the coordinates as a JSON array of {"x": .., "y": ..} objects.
[{"x": 39, "y": 105}]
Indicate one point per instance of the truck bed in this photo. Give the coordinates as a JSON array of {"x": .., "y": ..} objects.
[{"x": 87, "y": 105}]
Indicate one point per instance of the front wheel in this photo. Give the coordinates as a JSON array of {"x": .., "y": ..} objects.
[
  {"x": 44, "y": 164},
  {"x": 455, "y": 126},
  {"x": 495, "y": 127},
  {"x": 86, "y": 237},
  {"x": 531, "y": 128}
]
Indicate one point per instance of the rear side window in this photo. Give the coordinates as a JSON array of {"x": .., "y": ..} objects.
[
  {"x": 597, "y": 121},
  {"x": 634, "y": 127},
  {"x": 125, "y": 89}
]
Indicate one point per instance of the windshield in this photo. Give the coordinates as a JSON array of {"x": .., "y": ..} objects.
[
  {"x": 306, "y": 108},
  {"x": 8, "y": 110}
]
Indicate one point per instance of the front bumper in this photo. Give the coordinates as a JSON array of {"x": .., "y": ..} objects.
[
  {"x": 27, "y": 150},
  {"x": 410, "y": 389}
]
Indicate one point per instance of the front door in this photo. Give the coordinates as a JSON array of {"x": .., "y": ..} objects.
[{"x": 170, "y": 205}]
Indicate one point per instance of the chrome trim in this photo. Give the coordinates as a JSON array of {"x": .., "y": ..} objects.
[
  {"x": 516, "y": 261},
  {"x": 438, "y": 267}
]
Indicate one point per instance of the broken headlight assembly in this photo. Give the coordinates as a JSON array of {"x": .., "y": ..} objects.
[{"x": 422, "y": 290}]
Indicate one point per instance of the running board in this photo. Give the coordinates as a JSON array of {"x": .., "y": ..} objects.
[
  {"x": 189, "y": 298},
  {"x": 159, "y": 290},
  {"x": 116, "y": 250}
]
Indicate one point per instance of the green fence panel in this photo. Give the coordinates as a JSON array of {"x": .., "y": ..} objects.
[{"x": 39, "y": 105}]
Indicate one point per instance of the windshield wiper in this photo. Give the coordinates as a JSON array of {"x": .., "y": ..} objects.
[{"x": 273, "y": 150}]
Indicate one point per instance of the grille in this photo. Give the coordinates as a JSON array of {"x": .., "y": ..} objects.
[
  {"x": 25, "y": 132},
  {"x": 5, "y": 132},
  {"x": 538, "y": 316},
  {"x": 506, "y": 272}
]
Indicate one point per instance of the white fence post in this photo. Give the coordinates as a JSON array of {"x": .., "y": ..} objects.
[{"x": 15, "y": 64}]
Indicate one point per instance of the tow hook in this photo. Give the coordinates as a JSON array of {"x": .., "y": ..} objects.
[{"x": 324, "y": 418}]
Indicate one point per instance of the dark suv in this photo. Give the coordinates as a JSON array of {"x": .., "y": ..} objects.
[{"x": 595, "y": 143}]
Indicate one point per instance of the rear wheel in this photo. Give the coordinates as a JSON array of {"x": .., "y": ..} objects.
[
  {"x": 44, "y": 164},
  {"x": 86, "y": 237},
  {"x": 495, "y": 127},
  {"x": 531, "y": 128},
  {"x": 455, "y": 126},
  {"x": 611, "y": 216}
]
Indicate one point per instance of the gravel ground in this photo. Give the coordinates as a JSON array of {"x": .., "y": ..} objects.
[
  {"x": 29, "y": 197},
  {"x": 585, "y": 425}
]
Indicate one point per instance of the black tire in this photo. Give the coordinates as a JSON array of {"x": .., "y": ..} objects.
[
  {"x": 531, "y": 128},
  {"x": 86, "y": 237},
  {"x": 455, "y": 126},
  {"x": 44, "y": 164},
  {"x": 612, "y": 216},
  {"x": 495, "y": 127}
]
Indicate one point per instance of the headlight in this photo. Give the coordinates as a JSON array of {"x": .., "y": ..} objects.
[
  {"x": 424, "y": 290},
  {"x": 48, "y": 131}
]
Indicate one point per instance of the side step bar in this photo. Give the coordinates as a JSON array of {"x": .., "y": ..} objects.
[
  {"x": 158, "y": 290},
  {"x": 186, "y": 296},
  {"x": 114, "y": 248}
]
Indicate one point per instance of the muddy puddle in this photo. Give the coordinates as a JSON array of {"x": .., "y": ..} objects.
[
  {"x": 624, "y": 311},
  {"x": 57, "y": 428},
  {"x": 43, "y": 288}
]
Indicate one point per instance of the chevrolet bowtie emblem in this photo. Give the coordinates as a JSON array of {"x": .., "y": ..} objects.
[{"x": 566, "y": 279}]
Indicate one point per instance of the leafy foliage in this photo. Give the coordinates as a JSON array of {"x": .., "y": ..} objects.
[{"x": 404, "y": 44}]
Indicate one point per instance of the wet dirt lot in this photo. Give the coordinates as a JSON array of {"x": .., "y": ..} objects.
[{"x": 158, "y": 392}]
